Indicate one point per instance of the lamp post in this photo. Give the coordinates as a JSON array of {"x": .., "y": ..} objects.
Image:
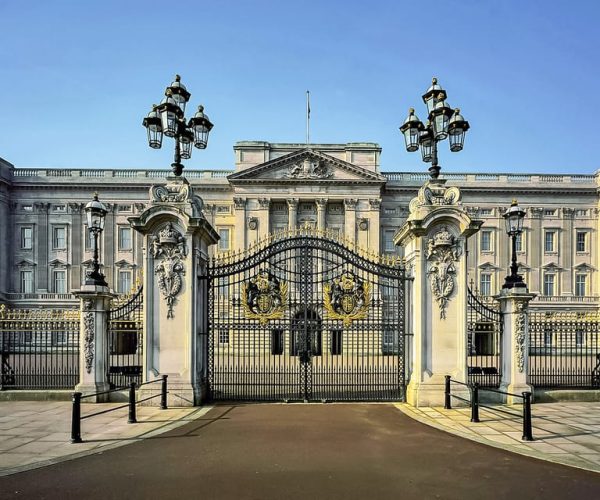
[
  {"x": 168, "y": 118},
  {"x": 443, "y": 122},
  {"x": 514, "y": 226},
  {"x": 95, "y": 212}
]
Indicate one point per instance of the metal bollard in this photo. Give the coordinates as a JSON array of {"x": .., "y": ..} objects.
[
  {"x": 132, "y": 418},
  {"x": 76, "y": 419},
  {"x": 163, "y": 393},
  {"x": 447, "y": 399},
  {"x": 475, "y": 403},
  {"x": 527, "y": 431}
]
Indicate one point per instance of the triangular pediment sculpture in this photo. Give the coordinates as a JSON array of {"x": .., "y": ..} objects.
[{"x": 306, "y": 166}]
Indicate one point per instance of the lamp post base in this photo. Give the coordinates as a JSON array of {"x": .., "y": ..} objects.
[
  {"x": 514, "y": 282},
  {"x": 95, "y": 279},
  {"x": 177, "y": 169}
]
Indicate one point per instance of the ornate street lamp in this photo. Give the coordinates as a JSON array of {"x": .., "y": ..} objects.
[
  {"x": 443, "y": 122},
  {"x": 167, "y": 118},
  {"x": 95, "y": 213},
  {"x": 514, "y": 227}
]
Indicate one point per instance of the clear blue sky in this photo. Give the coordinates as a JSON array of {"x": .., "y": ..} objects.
[{"x": 77, "y": 77}]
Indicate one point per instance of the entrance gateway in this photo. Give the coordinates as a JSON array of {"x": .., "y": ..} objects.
[{"x": 306, "y": 318}]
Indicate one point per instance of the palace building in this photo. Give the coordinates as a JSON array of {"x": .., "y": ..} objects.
[{"x": 335, "y": 188}]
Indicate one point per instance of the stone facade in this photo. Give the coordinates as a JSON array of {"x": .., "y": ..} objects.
[{"x": 338, "y": 187}]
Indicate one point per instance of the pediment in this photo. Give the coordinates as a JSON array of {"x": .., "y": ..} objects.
[
  {"x": 583, "y": 267},
  {"x": 551, "y": 266},
  {"x": 306, "y": 166},
  {"x": 58, "y": 263},
  {"x": 25, "y": 263},
  {"x": 488, "y": 266},
  {"x": 124, "y": 264}
]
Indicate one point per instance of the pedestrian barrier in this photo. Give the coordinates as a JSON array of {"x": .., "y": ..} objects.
[
  {"x": 76, "y": 417},
  {"x": 475, "y": 404}
]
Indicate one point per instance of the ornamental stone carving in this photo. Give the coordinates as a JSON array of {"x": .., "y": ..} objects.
[
  {"x": 174, "y": 192},
  {"x": 350, "y": 203},
  {"x": 169, "y": 248},
  {"x": 239, "y": 203},
  {"x": 264, "y": 203},
  {"x": 363, "y": 224},
  {"x": 88, "y": 334},
  {"x": 309, "y": 169},
  {"x": 442, "y": 252},
  {"x": 375, "y": 203},
  {"x": 292, "y": 203},
  {"x": 435, "y": 193},
  {"x": 520, "y": 335},
  {"x": 253, "y": 223}
]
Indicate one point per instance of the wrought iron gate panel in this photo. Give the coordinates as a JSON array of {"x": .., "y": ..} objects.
[
  {"x": 125, "y": 343},
  {"x": 484, "y": 340},
  {"x": 306, "y": 318}
]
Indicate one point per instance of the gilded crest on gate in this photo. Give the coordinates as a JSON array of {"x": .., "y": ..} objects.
[
  {"x": 347, "y": 298},
  {"x": 264, "y": 297}
]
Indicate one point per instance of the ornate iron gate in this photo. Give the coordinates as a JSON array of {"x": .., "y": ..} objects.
[
  {"x": 484, "y": 330},
  {"x": 304, "y": 317},
  {"x": 125, "y": 331}
]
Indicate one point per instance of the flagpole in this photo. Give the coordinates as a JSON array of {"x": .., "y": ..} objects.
[{"x": 307, "y": 117}]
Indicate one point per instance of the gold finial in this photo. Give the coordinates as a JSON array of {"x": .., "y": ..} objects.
[
  {"x": 411, "y": 111},
  {"x": 514, "y": 203},
  {"x": 168, "y": 93},
  {"x": 457, "y": 111}
]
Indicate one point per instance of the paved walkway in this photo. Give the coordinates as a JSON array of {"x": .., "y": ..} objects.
[
  {"x": 566, "y": 433},
  {"x": 331, "y": 451},
  {"x": 34, "y": 434}
]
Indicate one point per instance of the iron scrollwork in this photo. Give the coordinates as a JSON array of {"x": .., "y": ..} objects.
[
  {"x": 264, "y": 297},
  {"x": 170, "y": 245},
  {"x": 347, "y": 299}
]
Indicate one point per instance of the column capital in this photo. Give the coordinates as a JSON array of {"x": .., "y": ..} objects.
[
  {"x": 350, "y": 203},
  {"x": 321, "y": 203},
  {"x": 264, "y": 203},
  {"x": 375, "y": 203},
  {"x": 239, "y": 203},
  {"x": 292, "y": 203}
]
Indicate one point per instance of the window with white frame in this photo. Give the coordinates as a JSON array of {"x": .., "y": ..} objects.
[
  {"x": 581, "y": 241},
  {"x": 26, "y": 277},
  {"x": 549, "y": 284},
  {"x": 549, "y": 241},
  {"x": 224, "y": 234},
  {"x": 59, "y": 281},
  {"x": 579, "y": 337},
  {"x": 124, "y": 281},
  {"x": 388, "y": 240},
  {"x": 548, "y": 338},
  {"x": 485, "y": 284},
  {"x": 59, "y": 238},
  {"x": 26, "y": 238},
  {"x": 486, "y": 241},
  {"x": 580, "y": 284},
  {"x": 125, "y": 238},
  {"x": 519, "y": 242}
]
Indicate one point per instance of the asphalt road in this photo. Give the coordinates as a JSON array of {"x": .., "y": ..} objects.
[{"x": 314, "y": 451}]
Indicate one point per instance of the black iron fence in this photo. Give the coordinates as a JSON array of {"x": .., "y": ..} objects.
[
  {"x": 125, "y": 342},
  {"x": 484, "y": 340},
  {"x": 475, "y": 403},
  {"x": 39, "y": 348},
  {"x": 564, "y": 349}
]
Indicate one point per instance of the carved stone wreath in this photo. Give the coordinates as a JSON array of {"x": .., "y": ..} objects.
[
  {"x": 442, "y": 252},
  {"x": 169, "y": 247},
  {"x": 89, "y": 335}
]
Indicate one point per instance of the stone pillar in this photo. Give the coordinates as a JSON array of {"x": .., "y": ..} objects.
[
  {"x": 292, "y": 213},
  {"x": 434, "y": 239},
  {"x": 43, "y": 243},
  {"x": 263, "y": 217},
  {"x": 350, "y": 218},
  {"x": 176, "y": 240},
  {"x": 514, "y": 304},
  {"x": 321, "y": 210},
  {"x": 239, "y": 205},
  {"x": 374, "y": 227},
  {"x": 93, "y": 341}
]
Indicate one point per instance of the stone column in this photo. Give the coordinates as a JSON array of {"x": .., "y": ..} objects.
[
  {"x": 321, "y": 210},
  {"x": 263, "y": 217},
  {"x": 93, "y": 341},
  {"x": 350, "y": 218},
  {"x": 239, "y": 205},
  {"x": 514, "y": 304},
  {"x": 77, "y": 243},
  {"x": 43, "y": 243},
  {"x": 374, "y": 227},
  {"x": 176, "y": 239},
  {"x": 292, "y": 213},
  {"x": 434, "y": 238}
]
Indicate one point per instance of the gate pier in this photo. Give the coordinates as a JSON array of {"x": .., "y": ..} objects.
[
  {"x": 434, "y": 238},
  {"x": 176, "y": 240}
]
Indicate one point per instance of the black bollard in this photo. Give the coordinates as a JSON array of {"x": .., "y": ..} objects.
[
  {"x": 475, "y": 403},
  {"x": 527, "y": 431},
  {"x": 447, "y": 401},
  {"x": 132, "y": 418},
  {"x": 76, "y": 419},
  {"x": 163, "y": 393}
]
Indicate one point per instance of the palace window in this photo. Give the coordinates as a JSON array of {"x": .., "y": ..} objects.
[
  {"x": 125, "y": 238},
  {"x": 26, "y": 238},
  {"x": 579, "y": 337},
  {"x": 485, "y": 284},
  {"x": 26, "y": 281},
  {"x": 59, "y": 279},
  {"x": 580, "y": 285},
  {"x": 548, "y": 338},
  {"x": 581, "y": 241},
  {"x": 224, "y": 241},
  {"x": 59, "y": 238},
  {"x": 486, "y": 241},
  {"x": 223, "y": 335},
  {"x": 388, "y": 240},
  {"x": 87, "y": 238},
  {"x": 549, "y": 241},
  {"x": 519, "y": 242},
  {"x": 549, "y": 284},
  {"x": 124, "y": 282}
]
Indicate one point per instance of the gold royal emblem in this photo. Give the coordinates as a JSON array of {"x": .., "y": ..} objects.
[
  {"x": 347, "y": 298},
  {"x": 264, "y": 297}
]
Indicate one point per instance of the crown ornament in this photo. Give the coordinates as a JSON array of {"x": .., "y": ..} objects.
[
  {"x": 168, "y": 235},
  {"x": 443, "y": 238}
]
